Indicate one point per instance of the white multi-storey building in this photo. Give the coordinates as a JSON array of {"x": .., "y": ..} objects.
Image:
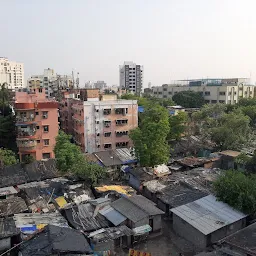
[
  {"x": 12, "y": 74},
  {"x": 50, "y": 81},
  {"x": 131, "y": 77},
  {"x": 227, "y": 91}
]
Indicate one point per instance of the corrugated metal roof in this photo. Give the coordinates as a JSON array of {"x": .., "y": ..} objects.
[
  {"x": 8, "y": 191},
  {"x": 124, "y": 155},
  {"x": 11, "y": 206},
  {"x": 112, "y": 215},
  {"x": 8, "y": 228},
  {"x": 207, "y": 214}
]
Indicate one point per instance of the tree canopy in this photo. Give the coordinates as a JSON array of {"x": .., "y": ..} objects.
[
  {"x": 150, "y": 139},
  {"x": 188, "y": 99},
  {"x": 238, "y": 190},
  {"x": 7, "y": 121},
  {"x": 228, "y": 130},
  {"x": 70, "y": 159},
  {"x": 7, "y": 157},
  {"x": 178, "y": 125}
]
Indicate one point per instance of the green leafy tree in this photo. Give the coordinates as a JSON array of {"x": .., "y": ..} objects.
[
  {"x": 7, "y": 157},
  {"x": 149, "y": 139},
  {"x": 188, "y": 99},
  {"x": 238, "y": 190},
  {"x": 228, "y": 130},
  {"x": 178, "y": 125},
  {"x": 70, "y": 159},
  {"x": 28, "y": 159},
  {"x": 7, "y": 121}
]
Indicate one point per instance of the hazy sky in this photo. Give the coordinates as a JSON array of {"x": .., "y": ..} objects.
[{"x": 173, "y": 39}]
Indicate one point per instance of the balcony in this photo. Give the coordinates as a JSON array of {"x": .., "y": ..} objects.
[
  {"x": 26, "y": 130},
  {"x": 121, "y": 133},
  {"x": 26, "y": 143},
  {"x": 107, "y": 124},
  {"x": 121, "y": 122},
  {"x": 24, "y": 119},
  {"x": 107, "y": 111}
]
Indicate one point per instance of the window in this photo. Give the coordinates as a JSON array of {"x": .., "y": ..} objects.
[
  {"x": 46, "y": 155},
  {"x": 45, "y": 114},
  {"x": 229, "y": 93},
  {"x": 159, "y": 92},
  {"x": 214, "y": 101},
  {"x": 207, "y": 93},
  {"x": 222, "y": 93},
  {"x": 107, "y": 111},
  {"x": 121, "y": 133},
  {"x": 40, "y": 90},
  {"x": 170, "y": 93},
  {"x": 46, "y": 128},
  {"x": 164, "y": 96},
  {"x": 221, "y": 101},
  {"x": 107, "y": 145},
  {"x": 206, "y": 101},
  {"x": 155, "y": 92},
  {"x": 121, "y": 144},
  {"x": 38, "y": 141},
  {"x": 241, "y": 88},
  {"x": 165, "y": 89},
  {"x": 107, "y": 134},
  {"x": 37, "y": 127},
  {"x": 107, "y": 123},
  {"x": 245, "y": 92},
  {"x": 121, "y": 122},
  {"x": 46, "y": 142},
  {"x": 37, "y": 113}
]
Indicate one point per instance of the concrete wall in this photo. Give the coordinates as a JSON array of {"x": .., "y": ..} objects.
[
  {"x": 157, "y": 223},
  {"x": 228, "y": 230},
  {"x": 188, "y": 232},
  {"x": 161, "y": 205}
]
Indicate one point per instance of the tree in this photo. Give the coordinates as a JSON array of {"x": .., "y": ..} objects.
[
  {"x": 149, "y": 139},
  {"x": 228, "y": 130},
  {"x": 7, "y": 121},
  {"x": 238, "y": 190},
  {"x": 7, "y": 157},
  {"x": 70, "y": 159},
  {"x": 178, "y": 125},
  {"x": 188, "y": 99}
]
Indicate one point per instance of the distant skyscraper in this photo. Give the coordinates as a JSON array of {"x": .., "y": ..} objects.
[
  {"x": 100, "y": 85},
  {"x": 12, "y": 73},
  {"x": 131, "y": 77}
]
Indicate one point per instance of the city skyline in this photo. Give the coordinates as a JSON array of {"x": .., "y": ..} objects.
[{"x": 171, "y": 39}]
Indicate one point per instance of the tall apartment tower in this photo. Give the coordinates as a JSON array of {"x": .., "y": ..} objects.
[
  {"x": 131, "y": 77},
  {"x": 12, "y": 73},
  {"x": 37, "y": 124}
]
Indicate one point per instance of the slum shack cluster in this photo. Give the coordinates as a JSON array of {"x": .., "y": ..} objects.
[{"x": 44, "y": 213}]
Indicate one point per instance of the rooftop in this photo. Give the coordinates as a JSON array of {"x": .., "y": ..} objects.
[
  {"x": 230, "y": 153},
  {"x": 12, "y": 206},
  {"x": 136, "y": 208},
  {"x": 115, "y": 157},
  {"x": 179, "y": 194},
  {"x": 244, "y": 239},
  {"x": 8, "y": 228},
  {"x": 207, "y": 214},
  {"x": 55, "y": 240},
  {"x": 106, "y": 234}
]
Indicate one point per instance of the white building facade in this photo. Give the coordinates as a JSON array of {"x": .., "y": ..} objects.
[
  {"x": 107, "y": 124},
  {"x": 131, "y": 77},
  {"x": 51, "y": 81},
  {"x": 12, "y": 73},
  {"x": 227, "y": 91}
]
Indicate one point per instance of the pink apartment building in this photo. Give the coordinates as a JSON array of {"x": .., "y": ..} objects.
[{"x": 37, "y": 124}]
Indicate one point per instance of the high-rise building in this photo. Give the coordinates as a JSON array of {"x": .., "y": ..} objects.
[
  {"x": 98, "y": 122},
  {"x": 228, "y": 90},
  {"x": 12, "y": 73},
  {"x": 131, "y": 77},
  {"x": 51, "y": 82},
  {"x": 37, "y": 124}
]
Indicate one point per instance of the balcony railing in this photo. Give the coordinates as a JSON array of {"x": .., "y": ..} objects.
[
  {"x": 25, "y": 119},
  {"x": 26, "y": 143},
  {"x": 26, "y": 132}
]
